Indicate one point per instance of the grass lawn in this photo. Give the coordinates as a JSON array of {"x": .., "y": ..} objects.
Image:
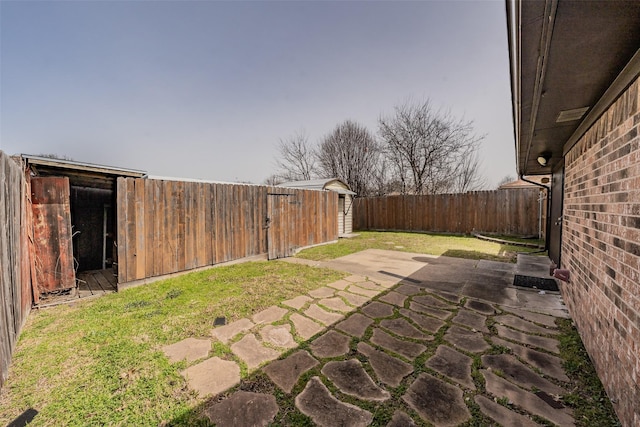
[
  {"x": 99, "y": 362},
  {"x": 431, "y": 244}
]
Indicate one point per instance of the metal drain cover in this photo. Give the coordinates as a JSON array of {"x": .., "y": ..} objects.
[{"x": 542, "y": 283}]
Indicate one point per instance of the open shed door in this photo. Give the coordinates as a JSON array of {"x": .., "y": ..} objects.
[{"x": 52, "y": 234}]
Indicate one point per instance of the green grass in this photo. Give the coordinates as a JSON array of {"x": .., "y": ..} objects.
[
  {"x": 100, "y": 362},
  {"x": 430, "y": 244}
]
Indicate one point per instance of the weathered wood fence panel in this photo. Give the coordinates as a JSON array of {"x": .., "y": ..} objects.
[
  {"x": 166, "y": 227},
  {"x": 511, "y": 212},
  {"x": 15, "y": 271}
]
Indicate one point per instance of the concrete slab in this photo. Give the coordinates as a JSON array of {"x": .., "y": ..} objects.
[
  {"x": 286, "y": 373},
  {"x": 481, "y": 307},
  {"x": 252, "y": 352},
  {"x": 353, "y": 299},
  {"x": 401, "y": 419},
  {"x": 227, "y": 332},
  {"x": 394, "y": 298},
  {"x": 323, "y": 292},
  {"x": 496, "y": 265},
  {"x": 467, "y": 340},
  {"x": 524, "y": 325},
  {"x": 244, "y": 409},
  {"x": 350, "y": 378},
  {"x": 435, "y": 312},
  {"x": 212, "y": 377},
  {"x": 340, "y": 285},
  {"x": 336, "y": 304},
  {"x": 189, "y": 349},
  {"x": 322, "y": 316},
  {"x": 270, "y": 315},
  {"x": 505, "y": 417},
  {"x": 390, "y": 370},
  {"x": 548, "y": 344},
  {"x": 305, "y": 327},
  {"x": 548, "y": 364},
  {"x": 403, "y": 328},
  {"x": 378, "y": 310},
  {"x": 331, "y": 344},
  {"x": 549, "y": 303},
  {"x": 316, "y": 402},
  {"x": 514, "y": 371},
  {"x": 278, "y": 335},
  {"x": 355, "y": 325},
  {"x": 409, "y": 350},
  {"x": 497, "y": 293},
  {"x": 297, "y": 302},
  {"x": 471, "y": 319},
  {"x": 426, "y": 323},
  {"x": 452, "y": 364},
  {"x": 378, "y": 264},
  {"x": 526, "y": 400},
  {"x": 437, "y": 402}
]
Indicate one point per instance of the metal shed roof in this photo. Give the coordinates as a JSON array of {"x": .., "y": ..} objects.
[{"x": 319, "y": 184}]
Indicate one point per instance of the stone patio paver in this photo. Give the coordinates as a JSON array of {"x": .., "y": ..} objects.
[
  {"x": 322, "y": 316},
  {"x": 542, "y": 342},
  {"x": 297, "y": 302},
  {"x": 213, "y": 376},
  {"x": 524, "y": 325},
  {"x": 325, "y": 410},
  {"x": 340, "y": 285},
  {"x": 355, "y": 325},
  {"x": 519, "y": 374},
  {"x": 436, "y": 401},
  {"x": 351, "y": 378},
  {"x": 286, "y": 373},
  {"x": 190, "y": 349},
  {"x": 394, "y": 298},
  {"x": 427, "y": 323},
  {"x": 362, "y": 291},
  {"x": 408, "y": 290},
  {"x": 548, "y": 364},
  {"x": 323, "y": 292},
  {"x": 408, "y": 349},
  {"x": 370, "y": 285},
  {"x": 353, "y": 299},
  {"x": 227, "y": 332},
  {"x": 354, "y": 278},
  {"x": 502, "y": 415},
  {"x": 278, "y": 335},
  {"x": 471, "y": 319},
  {"x": 403, "y": 328},
  {"x": 435, "y": 312},
  {"x": 336, "y": 304},
  {"x": 452, "y": 364},
  {"x": 401, "y": 419},
  {"x": 449, "y": 296},
  {"x": 466, "y": 339},
  {"x": 270, "y": 315},
  {"x": 305, "y": 327},
  {"x": 331, "y": 344},
  {"x": 390, "y": 370},
  {"x": 528, "y": 401},
  {"x": 252, "y": 352},
  {"x": 543, "y": 319},
  {"x": 430, "y": 301},
  {"x": 243, "y": 409},
  {"x": 481, "y": 307},
  {"x": 378, "y": 310}
]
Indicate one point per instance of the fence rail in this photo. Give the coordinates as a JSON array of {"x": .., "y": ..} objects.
[
  {"x": 171, "y": 226},
  {"x": 15, "y": 273},
  {"x": 509, "y": 212}
]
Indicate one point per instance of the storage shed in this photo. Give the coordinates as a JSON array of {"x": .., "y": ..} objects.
[{"x": 345, "y": 198}]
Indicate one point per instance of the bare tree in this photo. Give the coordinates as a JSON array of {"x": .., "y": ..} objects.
[
  {"x": 430, "y": 149},
  {"x": 297, "y": 160},
  {"x": 468, "y": 176},
  {"x": 273, "y": 179},
  {"x": 505, "y": 180},
  {"x": 350, "y": 153}
]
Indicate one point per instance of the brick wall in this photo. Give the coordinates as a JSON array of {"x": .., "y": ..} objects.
[{"x": 601, "y": 248}]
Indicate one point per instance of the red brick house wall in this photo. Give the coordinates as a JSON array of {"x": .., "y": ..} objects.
[{"x": 601, "y": 248}]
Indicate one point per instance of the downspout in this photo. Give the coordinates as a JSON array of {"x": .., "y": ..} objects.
[{"x": 548, "y": 224}]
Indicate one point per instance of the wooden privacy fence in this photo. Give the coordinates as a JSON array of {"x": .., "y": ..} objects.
[
  {"x": 510, "y": 212},
  {"x": 170, "y": 226},
  {"x": 15, "y": 272}
]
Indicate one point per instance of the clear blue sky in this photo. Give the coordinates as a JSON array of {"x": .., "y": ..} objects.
[{"x": 206, "y": 89}]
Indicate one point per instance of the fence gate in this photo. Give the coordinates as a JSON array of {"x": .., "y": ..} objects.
[{"x": 279, "y": 226}]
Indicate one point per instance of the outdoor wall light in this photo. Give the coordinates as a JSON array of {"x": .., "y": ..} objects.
[{"x": 543, "y": 158}]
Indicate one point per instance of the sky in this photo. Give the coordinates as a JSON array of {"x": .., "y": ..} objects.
[{"x": 206, "y": 89}]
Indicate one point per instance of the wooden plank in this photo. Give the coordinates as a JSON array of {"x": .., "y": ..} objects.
[
  {"x": 131, "y": 231},
  {"x": 150, "y": 224},
  {"x": 121, "y": 229},
  {"x": 181, "y": 211},
  {"x": 139, "y": 223},
  {"x": 158, "y": 227}
]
